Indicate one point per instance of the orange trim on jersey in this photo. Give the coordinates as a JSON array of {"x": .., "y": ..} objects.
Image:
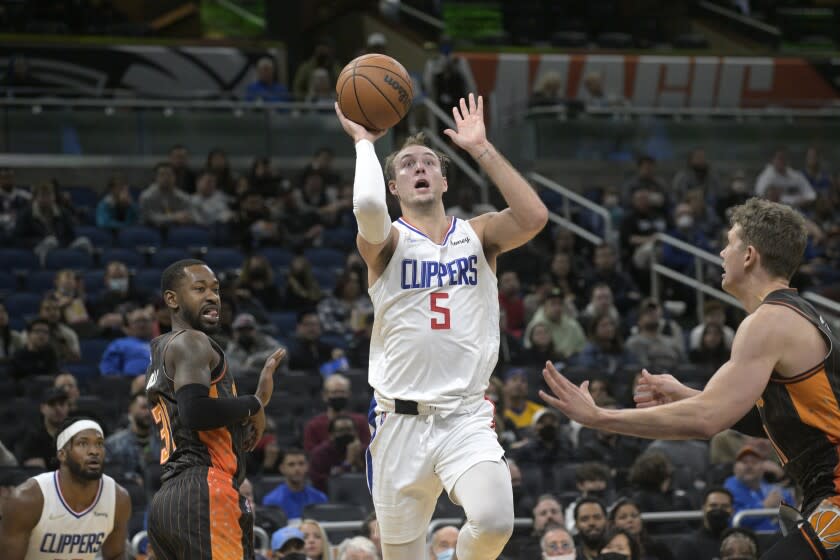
[
  {"x": 811, "y": 544},
  {"x": 776, "y": 378},
  {"x": 224, "y": 371},
  {"x": 225, "y": 531},
  {"x": 219, "y": 444},
  {"x": 814, "y": 401},
  {"x": 778, "y": 449}
]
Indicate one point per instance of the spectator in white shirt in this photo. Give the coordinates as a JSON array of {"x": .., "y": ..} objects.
[
  {"x": 782, "y": 183},
  {"x": 209, "y": 205}
]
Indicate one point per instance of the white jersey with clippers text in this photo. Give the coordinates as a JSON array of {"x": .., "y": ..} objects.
[
  {"x": 435, "y": 333},
  {"x": 64, "y": 534}
]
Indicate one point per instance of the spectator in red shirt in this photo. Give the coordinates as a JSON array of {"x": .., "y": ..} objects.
[
  {"x": 510, "y": 299},
  {"x": 341, "y": 453},
  {"x": 337, "y": 395}
]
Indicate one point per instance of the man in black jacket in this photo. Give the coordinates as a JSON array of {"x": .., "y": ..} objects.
[{"x": 704, "y": 544}]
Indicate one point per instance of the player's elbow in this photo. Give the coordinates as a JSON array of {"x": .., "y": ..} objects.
[
  {"x": 709, "y": 425},
  {"x": 535, "y": 220}
]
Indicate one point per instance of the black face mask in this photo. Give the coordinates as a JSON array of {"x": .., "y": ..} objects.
[
  {"x": 294, "y": 556},
  {"x": 547, "y": 432},
  {"x": 342, "y": 441},
  {"x": 246, "y": 340},
  {"x": 612, "y": 556},
  {"x": 717, "y": 520},
  {"x": 337, "y": 403}
]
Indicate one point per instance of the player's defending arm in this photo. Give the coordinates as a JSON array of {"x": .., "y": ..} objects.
[
  {"x": 369, "y": 204},
  {"x": 727, "y": 398},
  {"x": 191, "y": 357},
  {"x": 21, "y": 513},
  {"x": 526, "y": 214},
  {"x": 114, "y": 546}
]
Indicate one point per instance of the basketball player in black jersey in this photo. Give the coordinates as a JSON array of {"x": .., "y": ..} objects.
[
  {"x": 782, "y": 380},
  {"x": 205, "y": 428}
]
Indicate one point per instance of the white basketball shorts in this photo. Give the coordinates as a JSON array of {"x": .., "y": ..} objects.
[{"x": 411, "y": 459}]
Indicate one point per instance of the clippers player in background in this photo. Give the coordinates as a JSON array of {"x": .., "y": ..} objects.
[
  {"x": 435, "y": 337},
  {"x": 782, "y": 380},
  {"x": 205, "y": 428},
  {"x": 74, "y": 513}
]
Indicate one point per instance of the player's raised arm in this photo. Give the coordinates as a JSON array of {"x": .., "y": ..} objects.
[
  {"x": 728, "y": 397},
  {"x": 189, "y": 355},
  {"x": 114, "y": 546},
  {"x": 526, "y": 214},
  {"x": 20, "y": 515}
]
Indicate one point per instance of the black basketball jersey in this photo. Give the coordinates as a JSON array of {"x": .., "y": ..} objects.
[
  {"x": 182, "y": 448},
  {"x": 801, "y": 414}
]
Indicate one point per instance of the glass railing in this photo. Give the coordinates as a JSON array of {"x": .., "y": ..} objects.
[
  {"x": 734, "y": 135},
  {"x": 135, "y": 128}
]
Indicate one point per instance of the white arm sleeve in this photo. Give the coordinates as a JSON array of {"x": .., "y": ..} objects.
[{"x": 369, "y": 196}]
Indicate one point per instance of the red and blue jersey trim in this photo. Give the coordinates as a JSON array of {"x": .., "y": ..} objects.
[
  {"x": 416, "y": 230},
  {"x": 84, "y": 512}
]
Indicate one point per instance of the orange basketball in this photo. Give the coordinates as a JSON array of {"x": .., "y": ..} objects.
[{"x": 375, "y": 91}]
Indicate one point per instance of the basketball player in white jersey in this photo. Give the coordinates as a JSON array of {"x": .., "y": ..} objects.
[
  {"x": 73, "y": 513},
  {"x": 435, "y": 337}
]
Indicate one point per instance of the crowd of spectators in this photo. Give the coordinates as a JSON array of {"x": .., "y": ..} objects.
[{"x": 83, "y": 344}]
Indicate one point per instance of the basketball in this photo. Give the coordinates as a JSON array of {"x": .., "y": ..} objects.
[{"x": 375, "y": 91}]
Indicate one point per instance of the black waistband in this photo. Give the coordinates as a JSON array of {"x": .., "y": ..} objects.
[{"x": 405, "y": 407}]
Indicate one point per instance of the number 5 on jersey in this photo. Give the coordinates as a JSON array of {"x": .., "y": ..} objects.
[{"x": 435, "y": 300}]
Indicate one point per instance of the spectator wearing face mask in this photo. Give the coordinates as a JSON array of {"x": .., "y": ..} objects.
[
  {"x": 551, "y": 445},
  {"x": 249, "y": 348},
  {"x": 619, "y": 545},
  {"x": 697, "y": 174},
  {"x": 704, "y": 543},
  {"x": 557, "y": 544},
  {"x": 336, "y": 394},
  {"x": 341, "y": 453},
  {"x": 443, "y": 542},
  {"x": 685, "y": 229},
  {"x": 119, "y": 292}
]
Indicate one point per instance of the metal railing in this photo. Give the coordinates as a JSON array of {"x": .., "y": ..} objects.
[{"x": 569, "y": 196}]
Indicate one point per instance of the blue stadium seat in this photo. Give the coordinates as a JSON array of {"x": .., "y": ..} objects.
[
  {"x": 129, "y": 257},
  {"x": 277, "y": 256},
  {"x": 83, "y": 371},
  {"x": 220, "y": 259},
  {"x": 22, "y": 305},
  {"x": 148, "y": 279},
  {"x": 285, "y": 321},
  {"x": 18, "y": 259},
  {"x": 188, "y": 236},
  {"x": 92, "y": 349},
  {"x": 164, "y": 257},
  {"x": 40, "y": 281},
  {"x": 138, "y": 236},
  {"x": 324, "y": 257},
  {"x": 326, "y": 278},
  {"x": 99, "y": 237},
  {"x": 76, "y": 259},
  {"x": 83, "y": 196},
  {"x": 8, "y": 282},
  {"x": 340, "y": 238},
  {"x": 94, "y": 281}
]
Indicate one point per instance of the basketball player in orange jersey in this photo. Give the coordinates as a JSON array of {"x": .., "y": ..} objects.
[
  {"x": 205, "y": 428},
  {"x": 435, "y": 338},
  {"x": 782, "y": 379}
]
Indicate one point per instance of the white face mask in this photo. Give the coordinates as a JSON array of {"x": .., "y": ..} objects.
[
  {"x": 561, "y": 557},
  {"x": 685, "y": 221}
]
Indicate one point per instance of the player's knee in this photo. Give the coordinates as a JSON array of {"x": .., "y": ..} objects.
[{"x": 493, "y": 524}]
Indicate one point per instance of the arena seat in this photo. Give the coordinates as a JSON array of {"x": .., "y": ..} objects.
[
  {"x": 221, "y": 259},
  {"x": 39, "y": 281},
  {"x": 129, "y": 257},
  {"x": 322, "y": 257},
  {"x": 23, "y": 304},
  {"x": 184, "y": 237},
  {"x": 100, "y": 238},
  {"x": 132, "y": 237},
  {"x": 18, "y": 259},
  {"x": 277, "y": 256},
  {"x": 76, "y": 259},
  {"x": 350, "y": 488},
  {"x": 165, "y": 256}
]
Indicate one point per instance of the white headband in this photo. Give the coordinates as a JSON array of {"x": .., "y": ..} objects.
[{"x": 75, "y": 428}]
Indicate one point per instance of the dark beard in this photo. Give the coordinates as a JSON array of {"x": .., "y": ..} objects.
[
  {"x": 77, "y": 470},
  {"x": 194, "y": 321},
  {"x": 592, "y": 541}
]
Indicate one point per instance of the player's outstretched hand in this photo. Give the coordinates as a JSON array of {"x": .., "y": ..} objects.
[
  {"x": 355, "y": 130},
  {"x": 655, "y": 390},
  {"x": 470, "y": 133},
  {"x": 265, "y": 385},
  {"x": 573, "y": 401}
]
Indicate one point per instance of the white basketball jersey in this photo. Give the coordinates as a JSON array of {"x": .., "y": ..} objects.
[
  {"x": 435, "y": 333},
  {"x": 64, "y": 534}
]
